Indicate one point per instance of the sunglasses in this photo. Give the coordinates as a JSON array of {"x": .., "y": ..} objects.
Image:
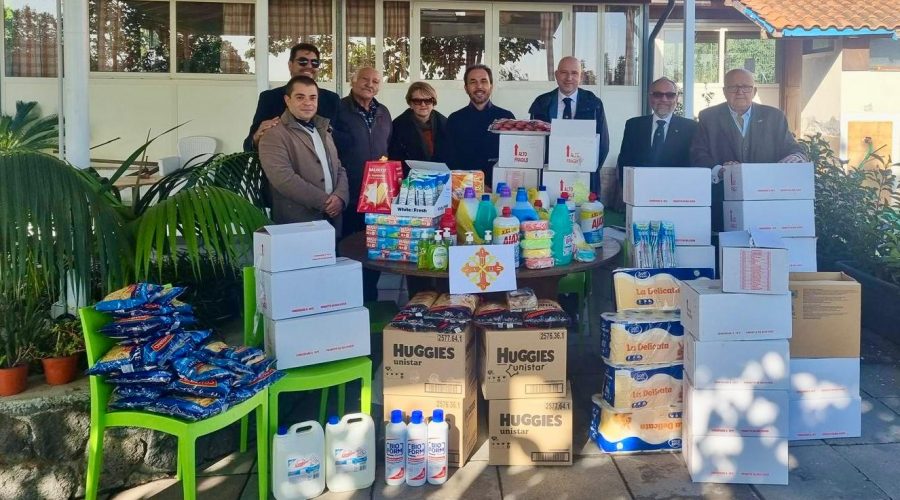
[
  {"x": 420, "y": 102},
  {"x": 302, "y": 61},
  {"x": 667, "y": 95}
]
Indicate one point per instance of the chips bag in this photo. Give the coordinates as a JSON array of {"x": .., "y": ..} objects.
[{"x": 380, "y": 185}]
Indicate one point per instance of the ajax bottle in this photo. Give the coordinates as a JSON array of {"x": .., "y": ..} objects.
[
  {"x": 506, "y": 231},
  {"x": 484, "y": 216},
  {"x": 350, "y": 452},
  {"x": 297, "y": 467},
  {"x": 523, "y": 210},
  {"x": 395, "y": 450},
  {"x": 416, "y": 443},
  {"x": 591, "y": 221},
  {"x": 561, "y": 226},
  {"x": 438, "y": 434}
]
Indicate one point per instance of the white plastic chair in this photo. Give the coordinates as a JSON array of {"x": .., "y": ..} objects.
[{"x": 192, "y": 150}]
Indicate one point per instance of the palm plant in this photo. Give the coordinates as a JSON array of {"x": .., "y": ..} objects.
[
  {"x": 24, "y": 318},
  {"x": 27, "y": 130}
]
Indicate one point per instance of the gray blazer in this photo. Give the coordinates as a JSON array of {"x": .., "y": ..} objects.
[{"x": 718, "y": 140}]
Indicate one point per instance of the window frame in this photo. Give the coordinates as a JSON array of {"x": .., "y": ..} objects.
[
  {"x": 494, "y": 43},
  {"x": 415, "y": 46},
  {"x": 639, "y": 70}
]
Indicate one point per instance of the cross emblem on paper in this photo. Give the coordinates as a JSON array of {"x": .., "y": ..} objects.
[{"x": 482, "y": 268}]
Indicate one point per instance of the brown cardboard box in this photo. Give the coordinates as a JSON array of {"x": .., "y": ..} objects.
[
  {"x": 430, "y": 364},
  {"x": 826, "y": 315},
  {"x": 529, "y": 363},
  {"x": 530, "y": 431},
  {"x": 461, "y": 415}
]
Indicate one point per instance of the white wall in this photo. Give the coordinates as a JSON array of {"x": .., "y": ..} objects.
[
  {"x": 821, "y": 94},
  {"x": 870, "y": 96}
]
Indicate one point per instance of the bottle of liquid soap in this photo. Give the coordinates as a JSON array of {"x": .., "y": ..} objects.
[
  {"x": 395, "y": 450},
  {"x": 438, "y": 434},
  {"x": 570, "y": 206},
  {"x": 484, "y": 216},
  {"x": 448, "y": 223},
  {"x": 438, "y": 255},
  {"x": 506, "y": 229},
  {"x": 561, "y": 226},
  {"x": 416, "y": 446},
  {"x": 523, "y": 210}
]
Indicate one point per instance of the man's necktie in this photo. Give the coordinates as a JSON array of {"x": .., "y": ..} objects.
[
  {"x": 567, "y": 111},
  {"x": 739, "y": 120},
  {"x": 659, "y": 137}
]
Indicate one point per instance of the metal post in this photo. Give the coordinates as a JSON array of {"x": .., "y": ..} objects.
[
  {"x": 262, "y": 45},
  {"x": 60, "y": 70},
  {"x": 689, "y": 35},
  {"x": 76, "y": 98}
]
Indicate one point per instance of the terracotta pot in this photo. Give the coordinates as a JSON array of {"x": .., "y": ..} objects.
[
  {"x": 13, "y": 380},
  {"x": 59, "y": 371}
]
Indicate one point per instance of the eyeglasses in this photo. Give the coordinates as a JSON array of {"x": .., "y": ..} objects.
[
  {"x": 667, "y": 95},
  {"x": 421, "y": 102},
  {"x": 734, "y": 89},
  {"x": 303, "y": 61}
]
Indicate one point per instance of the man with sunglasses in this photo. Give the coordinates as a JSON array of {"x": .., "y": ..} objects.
[
  {"x": 741, "y": 131},
  {"x": 304, "y": 61},
  {"x": 660, "y": 139}
]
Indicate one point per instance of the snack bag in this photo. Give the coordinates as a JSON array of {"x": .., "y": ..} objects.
[
  {"x": 380, "y": 185},
  {"x": 460, "y": 180},
  {"x": 454, "y": 308}
]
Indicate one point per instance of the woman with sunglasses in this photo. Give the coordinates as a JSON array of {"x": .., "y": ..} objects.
[{"x": 420, "y": 133}]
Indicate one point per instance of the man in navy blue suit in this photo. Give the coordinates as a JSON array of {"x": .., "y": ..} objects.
[
  {"x": 661, "y": 139},
  {"x": 304, "y": 61},
  {"x": 567, "y": 101}
]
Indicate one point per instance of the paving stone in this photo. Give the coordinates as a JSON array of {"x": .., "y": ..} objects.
[
  {"x": 251, "y": 492},
  {"x": 588, "y": 477},
  {"x": 878, "y": 462},
  {"x": 880, "y": 380},
  {"x": 880, "y": 424},
  {"x": 818, "y": 472},
  {"x": 810, "y": 442},
  {"x": 149, "y": 490},
  {"x": 475, "y": 481},
  {"x": 212, "y": 487},
  {"x": 875, "y": 348},
  {"x": 231, "y": 464},
  {"x": 892, "y": 403},
  {"x": 664, "y": 475}
]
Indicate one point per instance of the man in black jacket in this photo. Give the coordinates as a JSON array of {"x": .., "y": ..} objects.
[
  {"x": 568, "y": 101},
  {"x": 304, "y": 61}
]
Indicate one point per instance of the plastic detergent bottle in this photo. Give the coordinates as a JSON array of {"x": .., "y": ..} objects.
[
  {"x": 395, "y": 450},
  {"x": 591, "y": 221},
  {"x": 350, "y": 452},
  {"x": 543, "y": 213},
  {"x": 438, "y": 434},
  {"x": 544, "y": 197},
  {"x": 561, "y": 226},
  {"x": 438, "y": 256},
  {"x": 484, "y": 216},
  {"x": 466, "y": 213},
  {"x": 423, "y": 254},
  {"x": 416, "y": 444},
  {"x": 297, "y": 467},
  {"x": 506, "y": 231},
  {"x": 523, "y": 210},
  {"x": 505, "y": 200},
  {"x": 570, "y": 205},
  {"x": 448, "y": 223}
]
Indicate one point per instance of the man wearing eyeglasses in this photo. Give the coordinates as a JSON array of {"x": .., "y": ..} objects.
[
  {"x": 304, "y": 61},
  {"x": 660, "y": 139},
  {"x": 741, "y": 131}
]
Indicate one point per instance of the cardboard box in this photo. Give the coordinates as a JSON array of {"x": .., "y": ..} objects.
[
  {"x": 286, "y": 247},
  {"x": 753, "y": 262},
  {"x": 747, "y": 364},
  {"x": 770, "y": 181},
  {"x": 577, "y": 184},
  {"x": 574, "y": 146},
  {"x": 790, "y": 218},
  {"x": 667, "y": 187},
  {"x": 826, "y": 418},
  {"x": 288, "y": 295},
  {"x": 530, "y": 431},
  {"x": 824, "y": 378},
  {"x": 826, "y": 314},
  {"x": 516, "y": 178},
  {"x": 696, "y": 256},
  {"x": 430, "y": 364},
  {"x": 522, "y": 151},
  {"x": 461, "y": 415},
  {"x": 692, "y": 224},
  {"x": 653, "y": 289},
  {"x": 801, "y": 254},
  {"x": 736, "y": 459},
  {"x": 735, "y": 412},
  {"x": 528, "y": 363},
  {"x": 319, "y": 338},
  {"x": 707, "y": 313}
]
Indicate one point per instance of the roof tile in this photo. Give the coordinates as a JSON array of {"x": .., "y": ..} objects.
[{"x": 824, "y": 14}]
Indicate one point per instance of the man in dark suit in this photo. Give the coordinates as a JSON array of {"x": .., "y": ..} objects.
[
  {"x": 740, "y": 131},
  {"x": 304, "y": 61},
  {"x": 567, "y": 101},
  {"x": 661, "y": 139}
]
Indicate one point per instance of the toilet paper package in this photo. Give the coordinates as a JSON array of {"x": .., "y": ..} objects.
[
  {"x": 635, "y": 431},
  {"x": 627, "y": 387},
  {"x": 641, "y": 337},
  {"x": 655, "y": 289}
]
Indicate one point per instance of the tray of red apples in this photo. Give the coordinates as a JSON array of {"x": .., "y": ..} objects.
[{"x": 519, "y": 127}]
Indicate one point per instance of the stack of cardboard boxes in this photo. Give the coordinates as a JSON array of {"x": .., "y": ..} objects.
[
  {"x": 304, "y": 291},
  {"x": 573, "y": 153},
  {"x": 520, "y": 162}
]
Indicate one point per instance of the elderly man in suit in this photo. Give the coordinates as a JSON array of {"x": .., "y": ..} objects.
[
  {"x": 301, "y": 163},
  {"x": 740, "y": 131}
]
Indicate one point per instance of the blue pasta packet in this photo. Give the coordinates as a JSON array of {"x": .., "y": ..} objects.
[
  {"x": 129, "y": 297},
  {"x": 161, "y": 351},
  {"x": 175, "y": 308},
  {"x": 260, "y": 382},
  {"x": 137, "y": 328},
  {"x": 166, "y": 295},
  {"x": 145, "y": 377},
  {"x": 203, "y": 388},
  {"x": 247, "y": 355},
  {"x": 139, "y": 391},
  {"x": 194, "y": 369},
  {"x": 119, "y": 359},
  {"x": 132, "y": 403},
  {"x": 189, "y": 407}
]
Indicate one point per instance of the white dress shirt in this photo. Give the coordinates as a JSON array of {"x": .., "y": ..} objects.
[
  {"x": 323, "y": 157},
  {"x": 561, "y": 106}
]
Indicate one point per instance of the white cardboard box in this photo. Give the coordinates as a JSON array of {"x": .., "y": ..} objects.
[
  {"x": 817, "y": 378},
  {"x": 290, "y": 294},
  {"x": 801, "y": 254},
  {"x": 826, "y": 418},
  {"x": 770, "y": 181},
  {"x": 319, "y": 338},
  {"x": 667, "y": 187},
  {"x": 753, "y": 262},
  {"x": 709, "y": 314},
  {"x": 574, "y": 146},
  {"x": 736, "y": 459},
  {"x": 735, "y": 412},
  {"x": 577, "y": 184},
  {"x": 522, "y": 151},
  {"x": 286, "y": 247},
  {"x": 516, "y": 177},
  {"x": 790, "y": 218},
  {"x": 695, "y": 256},
  {"x": 747, "y": 364},
  {"x": 692, "y": 224}
]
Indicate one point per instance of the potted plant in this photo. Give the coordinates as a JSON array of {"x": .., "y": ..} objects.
[
  {"x": 23, "y": 315},
  {"x": 60, "y": 350}
]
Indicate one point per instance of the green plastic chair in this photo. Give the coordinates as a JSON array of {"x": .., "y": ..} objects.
[
  {"x": 579, "y": 284},
  {"x": 308, "y": 378},
  {"x": 187, "y": 432}
]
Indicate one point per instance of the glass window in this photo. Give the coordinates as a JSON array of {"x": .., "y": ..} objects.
[
  {"x": 530, "y": 45},
  {"x": 300, "y": 21},
  {"x": 451, "y": 41},
  {"x": 586, "y": 41},
  {"x": 673, "y": 55},
  {"x": 745, "y": 49},
  {"x": 395, "y": 46},
  {"x": 360, "y": 35},
  {"x": 621, "y": 43},
  {"x": 215, "y": 37},
  {"x": 30, "y": 37},
  {"x": 706, "y": 56},
  {"x": 884, "y": 54},
  {"x": 129, "y": 35}
]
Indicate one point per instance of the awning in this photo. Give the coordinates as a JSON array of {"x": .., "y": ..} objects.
[{"x": 823, "y": 18}]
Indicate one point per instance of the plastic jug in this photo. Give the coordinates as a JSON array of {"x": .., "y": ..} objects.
[
  {"x": 297, "y": 461},
  {"x": 570, "y": 205},
  {"x": 591, "y": 221},
  {"x": 543, "y": 213},
  {"x": 523, "y": 210},
  {"x": 438, "y": 434},
  {"x": 395, "y": 450},
  {"x": 544, "y": 197},
  {"x": 466, "y": 213},
  {"x": 484, "y": 216},
  {"x": 350, "y": 452},
  {"x": 416, "y": 444},
  {"x": 505, "y": 200},
  {"x": 448, "y": 223},
  {"x": 561, "y": 226},
  {"x": 506, "y": 231}
]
